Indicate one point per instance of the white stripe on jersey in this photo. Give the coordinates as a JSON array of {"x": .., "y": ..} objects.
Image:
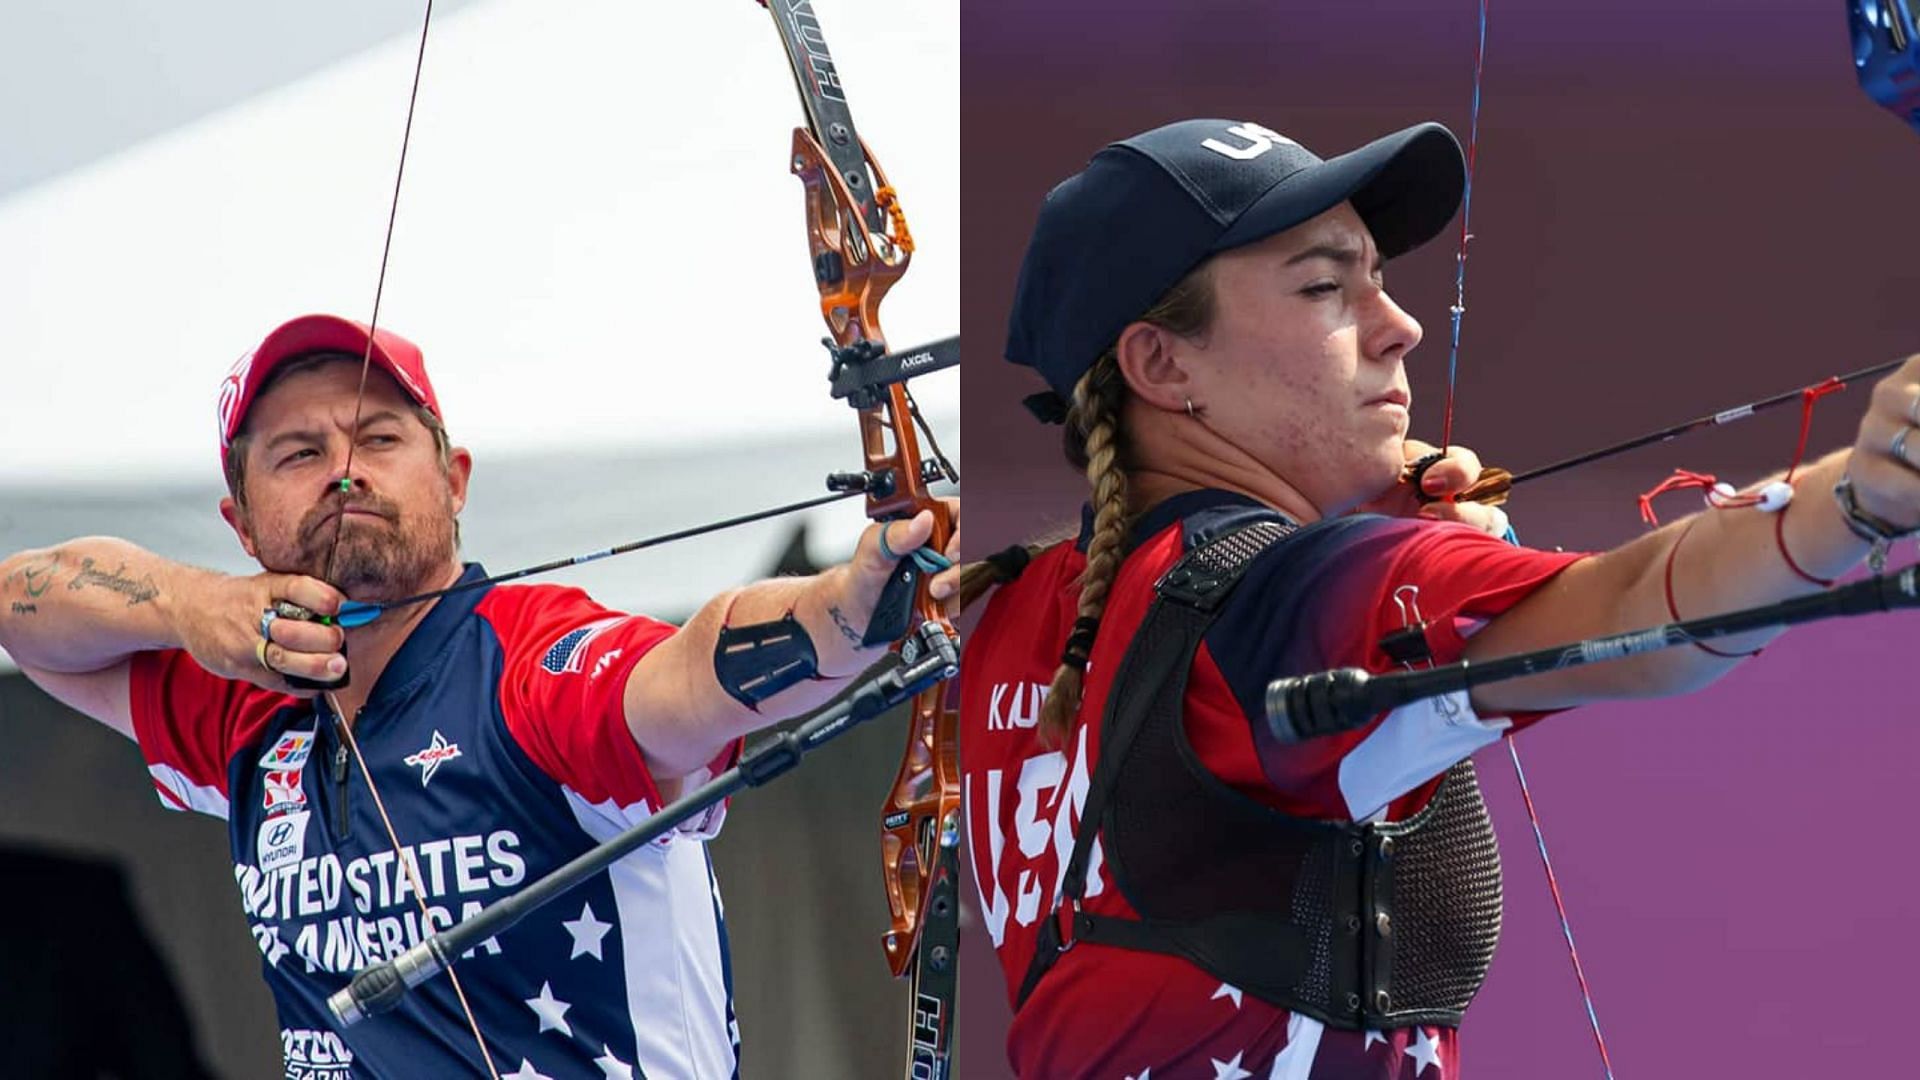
[
  {"x": 188, "y": 795},
  {"x": 669, "y": 946}
]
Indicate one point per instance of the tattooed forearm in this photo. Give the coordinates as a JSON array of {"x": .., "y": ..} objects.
[
  {"x": 846, "y": 628},
  {"x": 116, "y": 580}
]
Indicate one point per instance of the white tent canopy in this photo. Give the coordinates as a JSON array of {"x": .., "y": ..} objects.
[{"x": 598, "y": 246}]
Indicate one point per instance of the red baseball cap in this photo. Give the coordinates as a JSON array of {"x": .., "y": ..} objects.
[{"x": 309, "y": 334}]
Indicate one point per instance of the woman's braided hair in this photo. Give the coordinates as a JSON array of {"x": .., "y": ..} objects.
[{"x": 1096, "y": 443}]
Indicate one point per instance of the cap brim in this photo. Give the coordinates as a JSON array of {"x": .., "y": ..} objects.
[{"x": 1406, "y": 187}]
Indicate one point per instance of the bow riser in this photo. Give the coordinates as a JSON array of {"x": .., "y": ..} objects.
[
  {"x": 859, "y": 246},
  {"x": 853, "y": 265}
]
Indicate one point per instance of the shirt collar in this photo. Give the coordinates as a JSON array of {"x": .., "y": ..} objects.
[{"x": 414, "y": 663}]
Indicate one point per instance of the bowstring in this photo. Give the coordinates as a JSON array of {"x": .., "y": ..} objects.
[
  {"x": 1458, "y": 312},
  {"x": 343, "y": 723},
  {"x": 412, "y": 869},
  {"x": 379, "y": 291}
]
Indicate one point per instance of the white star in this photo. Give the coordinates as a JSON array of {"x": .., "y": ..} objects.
[
  {"x": 1373, "y": 1037},
  {"x": 612, "y": 1067},
  {"x": 587, "y": 932},
  {"x": 1424, "y": 1051},
  {"x": 1143, "y": 1075},
  {"x": 551, "y": 1011},
  {"x": 526, "y": 1071},
  {"x": 1227, "y": 991},
  {"x": 1229, "y": 1070}
]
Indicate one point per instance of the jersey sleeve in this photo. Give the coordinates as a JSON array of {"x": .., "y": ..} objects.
[
  {"x": 190, "y": 723},
  {"x": 1325, "y": 599},
  {"x": 562, "y": 692}
]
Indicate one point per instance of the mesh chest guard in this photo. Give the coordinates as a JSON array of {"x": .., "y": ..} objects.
[{"x": 1358, "y": 926}]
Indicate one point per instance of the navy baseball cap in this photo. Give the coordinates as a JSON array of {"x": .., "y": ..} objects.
[{"x": 1115, "y": 237}]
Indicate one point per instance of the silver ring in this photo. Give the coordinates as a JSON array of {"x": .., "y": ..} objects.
[
  {"x": 266, "y": 624},
  {"x": 1913, "y": 411},
  {"x": 1190, "y": 414}
]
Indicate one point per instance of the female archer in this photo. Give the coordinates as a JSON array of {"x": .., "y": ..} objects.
[{"x": 1168, "y": 885}]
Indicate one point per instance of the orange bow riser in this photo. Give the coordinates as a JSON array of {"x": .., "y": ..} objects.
[{"x": 860, "y": 245}]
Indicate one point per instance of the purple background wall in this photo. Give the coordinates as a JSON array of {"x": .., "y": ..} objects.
[{"x": 1679, "y": 206}]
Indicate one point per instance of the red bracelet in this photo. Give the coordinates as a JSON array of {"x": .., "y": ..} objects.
[
  {"x": 1675, "y": 612},
  {"x": 1780, "y": 541}
]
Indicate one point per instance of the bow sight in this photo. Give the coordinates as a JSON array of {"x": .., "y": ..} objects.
[{"x": 1886, "y": 54}]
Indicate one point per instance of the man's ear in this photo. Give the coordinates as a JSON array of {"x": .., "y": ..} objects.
[
  {"x": 1150, "y": 363},
  {"x": 459, "y": 472},
  {"x": 236, "y": 519}
]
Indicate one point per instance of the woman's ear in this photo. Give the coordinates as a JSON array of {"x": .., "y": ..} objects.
[{"x": 1150, "y": 360}]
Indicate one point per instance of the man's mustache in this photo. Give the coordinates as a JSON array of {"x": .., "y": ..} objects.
[{"x": 318, "y": 516}]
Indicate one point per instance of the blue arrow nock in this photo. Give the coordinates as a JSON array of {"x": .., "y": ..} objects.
[
  {"x": 1886, "y": 54},
  {"x": 354, "y": 613}
]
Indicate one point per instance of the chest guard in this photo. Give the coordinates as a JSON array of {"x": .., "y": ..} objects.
[{"x": 1359, "y": 926}]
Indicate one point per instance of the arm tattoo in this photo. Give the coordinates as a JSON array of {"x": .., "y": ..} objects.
[
  {"x": 116, "y": 580},
  {"x": 39, "y": 578},
  {"x": 25, "y": 609},
  {"x": 846, "y": 629}
]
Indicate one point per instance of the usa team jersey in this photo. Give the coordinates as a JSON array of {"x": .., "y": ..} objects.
[
  {"x": 498, "y": 741},
  {"x": 1322, "y": 598}
]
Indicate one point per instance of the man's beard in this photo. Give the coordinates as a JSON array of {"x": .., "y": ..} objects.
[{"x": 375, "y": 561}]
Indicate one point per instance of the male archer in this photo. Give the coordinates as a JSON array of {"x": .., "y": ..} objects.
[{"x": 466, "y": 746}]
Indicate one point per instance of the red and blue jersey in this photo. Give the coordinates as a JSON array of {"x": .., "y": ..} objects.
[
  {"x": 1322, "y": 598},
  {"x": 498, "y": 744}
]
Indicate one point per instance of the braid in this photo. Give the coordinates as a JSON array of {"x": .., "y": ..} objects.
[
  {"x": 1095, "y": 418},
  {"x": 1096, "y": 442}
]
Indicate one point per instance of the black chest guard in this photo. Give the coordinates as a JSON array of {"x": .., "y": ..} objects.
[{"x": 1358, "y": 926}]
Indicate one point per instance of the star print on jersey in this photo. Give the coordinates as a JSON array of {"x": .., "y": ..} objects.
[
  {"x": 526, "y": 1071},
  {"x": 1230, "y": 1070},
  {"x": 1373, "y": 1037},
  {"x": 587, "y": 933},
  {"x": 612, "y": 1068},
  {"x": 551, "y": 1011},
  {"x": 1424, "y": 1051},
  {"x": 428, "y": 760},
  {"x": 1145, "y": 1074},
  {"x": 1228, "y": 991}
]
